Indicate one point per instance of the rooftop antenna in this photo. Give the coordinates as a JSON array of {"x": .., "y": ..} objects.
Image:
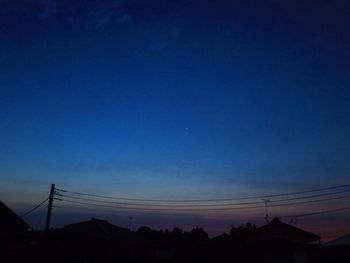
[
  {"x": 266, "y": 213},
  {"x": 294, "y": 220}
]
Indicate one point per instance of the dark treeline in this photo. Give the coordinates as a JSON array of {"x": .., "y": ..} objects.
[{"x": 97, "y": 240}]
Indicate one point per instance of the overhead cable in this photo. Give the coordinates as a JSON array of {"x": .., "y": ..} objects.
[
  {"x": 200, "y": 205},
  {"x": 34, "y": 208},
  {"x": 204, "y": 209},
  {"x": 206, "y": 200},
  {"x": 318, "y": 212}
]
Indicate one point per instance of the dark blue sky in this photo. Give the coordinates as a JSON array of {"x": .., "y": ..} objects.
[{"x": 173, "y": 99}]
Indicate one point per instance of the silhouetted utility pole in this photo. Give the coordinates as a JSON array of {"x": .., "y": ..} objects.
[
  {"x": 49, "y": 208},
  {"x": 266, "y": 214},
  {"x": 130, "y": 221}
]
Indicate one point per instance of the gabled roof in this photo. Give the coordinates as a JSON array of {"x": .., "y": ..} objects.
[
  {"x": 10, "y": 222},
  {"x": 223, "y": 238},
  {"x": 95, "y": 227},
  {"x": 277, "y": 230},
  {"x": 341, "y": 241}
]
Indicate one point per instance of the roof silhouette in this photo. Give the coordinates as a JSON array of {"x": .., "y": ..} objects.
[
  {"x": 95, "y": 227},
  {"x": 277, "y": 230},
  {"x": 341, "y": 241},
  {"x": 10, "y": 221},
  {"x": 221, "y": 239}
]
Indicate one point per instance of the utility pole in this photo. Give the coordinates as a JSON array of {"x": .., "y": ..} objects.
[
  {"x": 49, "y": 208},
  {"x": 266, "y": 213},
  {"x": 130, "y": 221}
]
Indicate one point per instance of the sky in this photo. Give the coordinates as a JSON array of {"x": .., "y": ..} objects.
[{"x": 173, "y": 99}]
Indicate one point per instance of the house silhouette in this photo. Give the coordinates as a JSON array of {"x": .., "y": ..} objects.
[
  {"x": 13, "y": 236},
  {"x": 340, "y": 241},
  {"x": 95, "y": 228},
  {"x": 337, "y": 250},
  {"x": 10, "y": 222},
  {"x": 94, "y": 240},
  {"x": 280, "y": 231},
  {"x": 282, "y": 243}
]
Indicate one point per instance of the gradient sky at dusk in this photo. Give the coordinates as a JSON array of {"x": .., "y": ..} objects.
[{"x": 173, "y": 99}]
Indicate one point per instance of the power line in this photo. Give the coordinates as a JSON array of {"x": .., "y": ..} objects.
[
  {"x": 201, "y": 205},
  {"x": 34, "y": 208},
  {"x": 205, "y": 200},
  {"x": 180, "y": 207},
  {"x": 204, "y": 209},
  {"x": 156, "y": 205},
  {"x": 318, "y": 212},
  {"x": 311, "y": 196},
  {"x": 312, "y": 201}
]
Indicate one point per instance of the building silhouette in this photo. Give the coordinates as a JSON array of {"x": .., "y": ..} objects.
[{"x": 10, "y": 222}]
